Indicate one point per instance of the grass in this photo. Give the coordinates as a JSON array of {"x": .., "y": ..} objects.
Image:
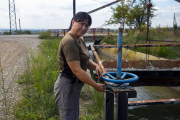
[
  {"x": 38, "y": 83},
  {"x": 109, "y": 39},
  {"x": 94, "y": 107}
]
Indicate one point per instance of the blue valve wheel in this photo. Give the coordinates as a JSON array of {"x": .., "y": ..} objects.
[{"x": 125, "y": 77}]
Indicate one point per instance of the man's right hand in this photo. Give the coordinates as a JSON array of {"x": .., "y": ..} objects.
[{"x": 100, "y": 87}]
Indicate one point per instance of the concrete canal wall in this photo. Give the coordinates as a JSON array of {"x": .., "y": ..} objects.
[{"x": 126, "y": 54}]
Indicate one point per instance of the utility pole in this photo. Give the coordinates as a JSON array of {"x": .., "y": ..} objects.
[
  {"x": 12, "y": 17},
  {"x": 74, "y": 7},
  {"x": 20, "y": 26}
]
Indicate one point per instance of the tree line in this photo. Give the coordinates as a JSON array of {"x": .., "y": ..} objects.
[
  {"x": 18, "y": 32},
  {"x": 132, "y": 13}
]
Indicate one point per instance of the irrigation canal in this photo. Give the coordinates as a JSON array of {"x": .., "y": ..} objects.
[{"x": 151, "y": 112}]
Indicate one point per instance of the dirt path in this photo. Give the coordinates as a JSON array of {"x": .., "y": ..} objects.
[{"x": 13, "y": 53}]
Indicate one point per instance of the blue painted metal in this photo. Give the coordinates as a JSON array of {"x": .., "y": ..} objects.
[
  {"x": 131, "y": 77},
  {"x": 120, "y": 77},
  {"x": 119, "y": 60}
]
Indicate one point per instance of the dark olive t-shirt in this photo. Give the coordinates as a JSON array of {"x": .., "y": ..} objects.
[{"x": 72, "y": 50}]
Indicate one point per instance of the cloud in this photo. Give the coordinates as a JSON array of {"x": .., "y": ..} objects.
[
  {"x": 56, "y": 14},
  {"x": 165, "y": 16}
]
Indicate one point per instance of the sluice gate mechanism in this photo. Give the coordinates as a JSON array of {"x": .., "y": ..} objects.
[{"x": 141, "y": 73}]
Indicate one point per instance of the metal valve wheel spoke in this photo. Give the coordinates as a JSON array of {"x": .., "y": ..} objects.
[{"x": 129, "y": 77}]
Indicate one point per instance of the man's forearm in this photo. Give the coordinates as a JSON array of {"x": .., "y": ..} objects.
[{"x": 91, "y": 65}]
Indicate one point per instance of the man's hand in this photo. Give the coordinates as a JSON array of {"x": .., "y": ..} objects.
[
  {"x": 100, "y": 87},
  {"x": 98, "y": 71}
]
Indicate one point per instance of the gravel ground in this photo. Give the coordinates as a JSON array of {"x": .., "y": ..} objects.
[{"x": 13, "y": 53}]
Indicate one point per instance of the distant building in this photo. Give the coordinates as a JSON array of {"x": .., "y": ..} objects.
[{"x": 2, "y": 32}]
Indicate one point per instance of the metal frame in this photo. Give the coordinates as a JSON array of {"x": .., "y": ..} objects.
[
  {"x": 12, "y": 17},
  {"x": 122, "y": 95}
]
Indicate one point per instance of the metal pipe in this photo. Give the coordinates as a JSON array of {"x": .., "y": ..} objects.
[
  {"x": 98, "y": 59},
  {"x": 74, "y": 7},
  {"x": 154, "y": 102},
  {"x": 103, "y": 6},
  {"x": 99, "y": 63},
  {"x": 137, "y": 45},
  {"x": 152, "y": 40},
  {"x": 119, "y": 61}
]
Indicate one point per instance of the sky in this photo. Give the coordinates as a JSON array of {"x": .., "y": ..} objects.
[{"x": 57, "y": 14}]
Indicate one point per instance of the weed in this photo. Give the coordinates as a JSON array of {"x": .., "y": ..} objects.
[
  {"x": 38, "y": 80},
  {"x": 109, "y": 39},
  {"x": 44, "y": 35}
]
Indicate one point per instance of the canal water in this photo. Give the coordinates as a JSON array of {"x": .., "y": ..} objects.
[{"x": 151, "y": 112}]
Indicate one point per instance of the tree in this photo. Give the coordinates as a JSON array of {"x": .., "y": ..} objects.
[
  {"x": 18, "y": 32},
  {"x": 27, "y": 32},
  {"x": 120, "y": 14},
  {"x": 138, "y": 14},
  {"x": 133, "y": 13}
]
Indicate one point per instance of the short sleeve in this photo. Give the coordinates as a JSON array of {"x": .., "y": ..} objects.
[{"x": 71, "y": 51}]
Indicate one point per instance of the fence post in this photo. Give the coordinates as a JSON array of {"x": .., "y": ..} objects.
[
  {"x": 108, "y": 31},
  {"x": 94, "y": 33},
  {"x": 101, "y": 30},
  {"x": 64, "y": 32}
]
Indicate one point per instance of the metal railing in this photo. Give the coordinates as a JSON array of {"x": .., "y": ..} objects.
[{"x": 91, "y": 31}]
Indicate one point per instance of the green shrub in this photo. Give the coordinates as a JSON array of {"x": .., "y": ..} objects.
[
  {"x": 44, "y": 35},
  {"x": 130, "y": 33},
  {"x": 6, "y": 33},
  {"x": 110, "y": 39},
  {"x": 27, "y": 32}
]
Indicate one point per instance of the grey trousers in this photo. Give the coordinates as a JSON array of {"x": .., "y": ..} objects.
[{"x": 67, "y": 98}]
